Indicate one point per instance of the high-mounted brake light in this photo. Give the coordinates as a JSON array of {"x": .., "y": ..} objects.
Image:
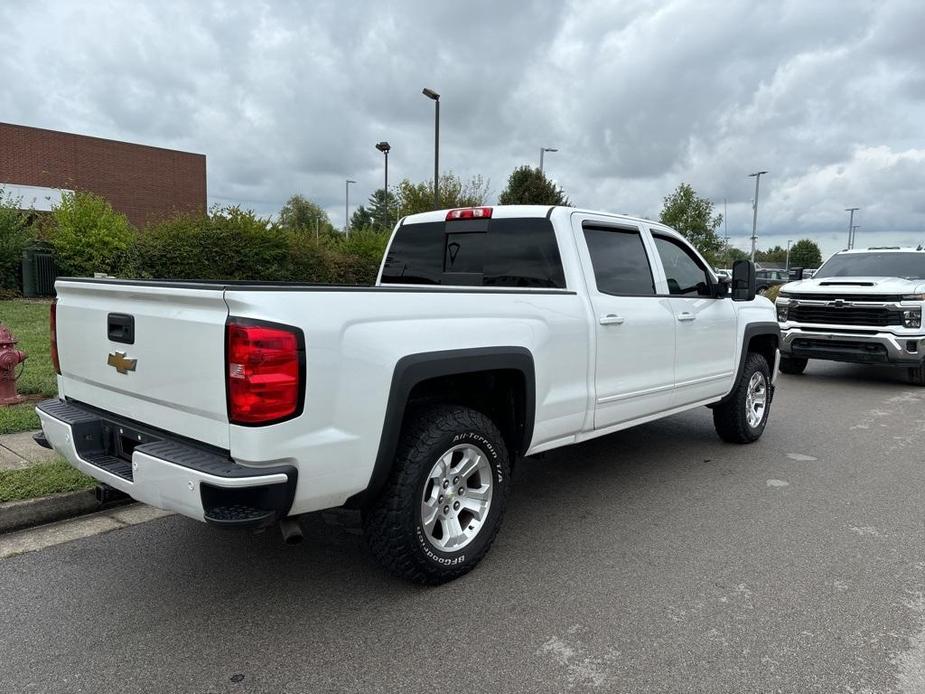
[
  {"x": 265, "y": 372},
  {"x": 469, "y": 213},
  {"x": 53, "y": 330}
]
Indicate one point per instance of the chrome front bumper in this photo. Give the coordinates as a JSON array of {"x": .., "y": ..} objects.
[{"x": 861, "y": 348}]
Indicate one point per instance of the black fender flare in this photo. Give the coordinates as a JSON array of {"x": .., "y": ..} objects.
[
  {"x": 752, "y": 330},
  {"x": 416, "y": 368}
]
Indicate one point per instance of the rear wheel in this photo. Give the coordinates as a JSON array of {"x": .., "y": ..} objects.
[
  {"x": 917, "y": 375},
  {"x": 793, "y": 365},
  {"x": 744, "y": 415},
  {"x": 443, "y": 504}
]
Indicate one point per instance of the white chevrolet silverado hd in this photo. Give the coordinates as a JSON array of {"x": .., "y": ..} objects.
[
  {"x": 861, "y": 306},
  {"x": 493, "y": 333}
]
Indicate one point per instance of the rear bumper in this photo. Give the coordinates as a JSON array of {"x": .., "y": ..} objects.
[
  {"x": 166, "y": 472},
  {"x": 858, "y": 348}
]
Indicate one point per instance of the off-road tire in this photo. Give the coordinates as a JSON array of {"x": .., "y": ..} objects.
[
  {"x": 793, "y": 365},
  {"x": 730, "y": 418},
  {"x": 392, "y": 523},
  {"x": 917, "y": 375}
]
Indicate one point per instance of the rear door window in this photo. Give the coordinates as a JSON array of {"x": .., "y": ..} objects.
[
  {"x": 621, "y": 266},
  {"x": 519, "y": 252}
]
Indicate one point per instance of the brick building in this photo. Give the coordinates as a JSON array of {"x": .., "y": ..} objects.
[{"x": 145, "y": 183}]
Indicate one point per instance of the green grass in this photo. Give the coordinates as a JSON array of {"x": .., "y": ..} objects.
[
  {"x": 28, "y": 320},
  {"x": 18, "y": 418},
  {"x": 42, "y": 480}
]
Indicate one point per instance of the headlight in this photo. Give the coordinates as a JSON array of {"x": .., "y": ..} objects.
[
  {"x": 912, "y": 317},
  {"x": 914, "y": 297},
  {"x": 783, "y": 309}
]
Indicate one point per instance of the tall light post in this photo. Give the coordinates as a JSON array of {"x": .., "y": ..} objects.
[
  {"x": 543, "y": 150},
  {"x": 789, "y": 241},
  {"x": 854, "y": 234},
  {"x": 384, "y": 147},
  {"x": 757, "y": 175},
  {"x": 852, "y": 210},
  {"x": 431, "y": 94},
  {"x": 347, "y": 206}
]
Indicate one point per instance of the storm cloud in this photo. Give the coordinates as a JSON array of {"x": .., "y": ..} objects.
[{"x": 288, "y": 96}]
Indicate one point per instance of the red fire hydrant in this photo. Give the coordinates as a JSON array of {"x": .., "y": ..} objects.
[{"x": 10, "y": 358}]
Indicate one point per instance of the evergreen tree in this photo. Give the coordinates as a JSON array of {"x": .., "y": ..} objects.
[{"x": 529, "y": 186}]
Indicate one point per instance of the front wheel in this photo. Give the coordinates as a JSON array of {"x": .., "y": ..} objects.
[
  {"x": 793, "y": 365},
  {"x": 744, "y": 415},
  {"x": 443, "y": 503}
]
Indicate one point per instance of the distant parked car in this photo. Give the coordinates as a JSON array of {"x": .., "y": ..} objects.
[{"x": 765, "y": 279}]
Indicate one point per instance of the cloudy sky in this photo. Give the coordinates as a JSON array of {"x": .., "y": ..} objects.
[{"x": 288, "y": 96}]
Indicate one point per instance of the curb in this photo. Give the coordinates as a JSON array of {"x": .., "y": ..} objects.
[{"x": 16, "y": 515}]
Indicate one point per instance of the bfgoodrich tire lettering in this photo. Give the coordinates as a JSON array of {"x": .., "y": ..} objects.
[
  {"x": 395, "y": 523},
  {"x": 738, "y": 420}
]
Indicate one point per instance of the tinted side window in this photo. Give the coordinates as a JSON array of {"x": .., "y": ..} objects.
[
  {"x": 523, "y": 253},
  {"x": 501, "y": 253},
  {"x": 684, "y": 272},
  {"x": 620, "y": 262},
  {"x": 416, "y": 255}
]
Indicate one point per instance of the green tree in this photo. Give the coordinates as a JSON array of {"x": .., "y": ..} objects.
[
  {"x": 454, "y": 192},
  {"x": 383, "y": 208},
  {"x": 300, "y": 213},
  {"x": 805, "y": 253},
  {"x": 732, "y": 254},
  {"x": 89, "y": 236},
  {"x": 14, "y": 235},
  {"x": 772, "y": 255},
  {"x": 529, "y": 186},
  {"x": 361, "y": 219},
  {"x": 693, "y": 217}
]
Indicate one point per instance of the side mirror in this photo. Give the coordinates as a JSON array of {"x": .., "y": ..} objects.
[
  {"x": 796, "y": 274},
  {"x": 743, "y": 280},
  {"x": 721, "y": 288}
]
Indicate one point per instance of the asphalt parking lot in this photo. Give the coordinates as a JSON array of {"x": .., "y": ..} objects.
[{"x": 658, "y": 559}]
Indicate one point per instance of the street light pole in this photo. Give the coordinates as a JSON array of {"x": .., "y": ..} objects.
[
  {"x": 852, "y": 210},
  {"x": 789, "y": 241},
  {"x": 854, "y": 234},
  {"x": 431, "y": 94},
  {"x": 543, "y": 150},
  {"x": 757, "y": 175},
  {"x": 385, "y": 147},
  {"x": 347, "y": 206}
]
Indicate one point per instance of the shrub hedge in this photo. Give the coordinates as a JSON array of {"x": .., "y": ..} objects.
[
  {"x": 14, "y": 235},
  {"x": 88, "y": 236}
]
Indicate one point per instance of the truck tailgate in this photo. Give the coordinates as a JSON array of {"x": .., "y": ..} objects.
[{"x": 154, "y": 354}]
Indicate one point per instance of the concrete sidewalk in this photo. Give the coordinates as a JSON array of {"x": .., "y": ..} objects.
[{"x": 19, "y": 451}]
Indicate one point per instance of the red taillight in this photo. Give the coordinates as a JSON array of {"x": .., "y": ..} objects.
[
  {"x": 469, "y": 213},
  {"x": 53, "y": 330},
  {"x": 265, "y": 372}
]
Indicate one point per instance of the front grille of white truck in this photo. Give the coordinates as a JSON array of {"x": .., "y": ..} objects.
[{"x": 846, "y": 315}]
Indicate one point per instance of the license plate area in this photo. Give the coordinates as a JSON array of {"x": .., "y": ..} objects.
[{"x": 120, "y": 441}]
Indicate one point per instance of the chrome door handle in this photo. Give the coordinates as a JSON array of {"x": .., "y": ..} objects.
[
  {"x": 686, "y": 316},
  {"x": 611, "y": 319}
]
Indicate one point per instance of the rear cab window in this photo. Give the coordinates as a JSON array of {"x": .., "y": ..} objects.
[{"x": 498, "y": 252}]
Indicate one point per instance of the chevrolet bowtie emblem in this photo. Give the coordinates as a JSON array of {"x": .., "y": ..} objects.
[{"x": 121, "y": 362}]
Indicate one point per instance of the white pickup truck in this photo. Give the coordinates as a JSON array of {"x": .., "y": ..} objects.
[
  {"x": 862, "y": 306},
  {"x": 493, "y": 333}
]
